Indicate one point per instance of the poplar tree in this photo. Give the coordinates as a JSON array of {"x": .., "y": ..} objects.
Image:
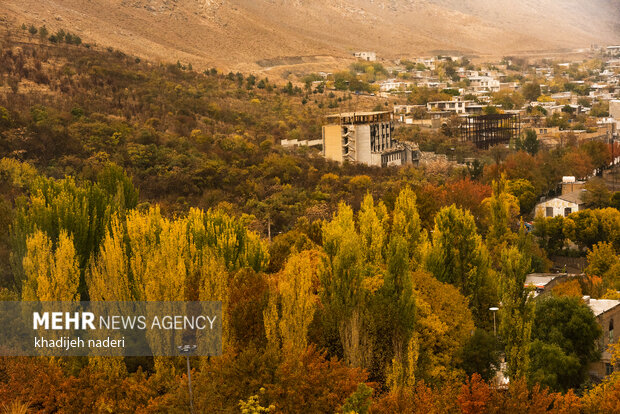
[
  {"x": 406, "y": 221},
  {"x": 459, "y": 257},
  {"x": 397, "y": 292},
  {"x": 517, "y": 312},
  {"x": 298, "y": 300},
  {"x": 51, "y": 273},
  {"x": 501, "y": 206},
  {"x": 108, "y": 280},
  {"x": 372, "y": 232},
  {"x": 342, "y": 281}
]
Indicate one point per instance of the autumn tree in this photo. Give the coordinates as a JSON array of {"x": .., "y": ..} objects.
[
  {"x": 525, "y": 193},
  {"x": 603, "y": 261},
  {"x": 597, "y": 195},
  {"x": 51, "y": 272},
  {"x": 589, "y": 227},
  {"x": 501, "y": 218},
  {"x": 342, "y": 281},
  {"x": 443, "y": 327},
  {"x": 407, "y": 223},
  {"x": 297, "y": 301}
]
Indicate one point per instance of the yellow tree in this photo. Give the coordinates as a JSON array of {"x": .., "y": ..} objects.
[
  {"x": 108, "y": 280},
  {"x": 406, "y": 221},
  {"x": 342, "y": 280},
  {"x": 207, "y": 273},
  {"x": 371, "y": 231},
  {"x": 142, "y": 232},
  {"x": 298, "y": 300},
  {"x": 52, "y": 274}
]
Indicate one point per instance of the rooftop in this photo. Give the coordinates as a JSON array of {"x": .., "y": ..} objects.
[
  {"x": 600, "y": 306},
  {"x": 573, "y": 197},
  {"x": 540, "y": 280},
  {"x": 360, "y": 117}
]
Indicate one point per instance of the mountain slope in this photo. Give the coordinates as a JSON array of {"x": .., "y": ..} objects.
[{"x": 253, "y": 34}]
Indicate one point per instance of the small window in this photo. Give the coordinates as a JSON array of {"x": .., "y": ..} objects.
[
  {"x": 549, "y": 212},
  {"x": 611, "y": 330},
  {"x": 567, "y": 211}
]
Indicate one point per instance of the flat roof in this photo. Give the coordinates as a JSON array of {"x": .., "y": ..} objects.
[
  {"x": 600, "y": 306},
  {"x": 347, "y": 114},
  {"x": 540, "y": 280},
  {"x": 352, "y": 118}
]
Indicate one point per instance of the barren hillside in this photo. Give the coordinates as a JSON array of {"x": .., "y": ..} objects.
[{"x": 253, "y": 35}]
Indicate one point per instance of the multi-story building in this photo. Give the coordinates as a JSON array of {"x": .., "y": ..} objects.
[
  {"x": 613, "y": 50},
  {"x": 484, "y": 83},
  {"x": 365, "y": 137},
  {"x": 456, "y": 105}
]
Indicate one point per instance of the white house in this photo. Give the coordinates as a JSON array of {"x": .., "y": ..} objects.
[
  {"x": 484, "y": 83},
  {"x": 562, "y": 205},
  {"x": 368, "y": 56},
  {"x": 393, "y": 85}
]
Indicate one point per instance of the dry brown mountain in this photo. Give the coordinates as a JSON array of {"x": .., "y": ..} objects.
[{"x": 252, "y": 35}]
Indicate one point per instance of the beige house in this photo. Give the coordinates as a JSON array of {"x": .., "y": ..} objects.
[
  {"x": 569, "y": 202},
  {"x": 560, "y": 206}
]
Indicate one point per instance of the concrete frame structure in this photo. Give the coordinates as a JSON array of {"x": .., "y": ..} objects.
[
  {"x": 365, "y": 137},
  {"x": 488, "y": 130}
]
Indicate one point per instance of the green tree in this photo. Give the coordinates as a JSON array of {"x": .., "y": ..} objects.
[
  {"x": 500, "y": 232},
  {"x": 481, "y": 355},
  {"x": 516, "y": 312},
  {"x": 359, "y": 402},
  {"x": 342, "y": 279},
  {"x": 458, "y": 257},
  {"x": 597, "y": 195},
  {"x": 588, "y": 227},
  {"x": 550, "y": 233},
  {"x": 525, "y": 192},
  {"x": 531, "y": 91},
  {"x": 399, "y": 303},
  {"x": 551, "y": 367},
  {"x": 567, "y": 323},
  {"x": 406, "y": 221},
  {"x": 530, "y": 142}
]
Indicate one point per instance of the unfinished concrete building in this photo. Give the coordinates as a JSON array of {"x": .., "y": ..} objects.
[{"x": 365, "y": 137}]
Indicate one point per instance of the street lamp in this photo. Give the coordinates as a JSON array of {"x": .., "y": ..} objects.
[
  {"x": 494, "y": 309},
  {"x": 187, "y": 350}
]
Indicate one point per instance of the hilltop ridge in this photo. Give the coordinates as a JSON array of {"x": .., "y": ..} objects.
[{"x": 254, "y": 35}]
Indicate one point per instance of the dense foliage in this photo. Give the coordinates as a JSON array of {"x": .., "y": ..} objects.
[{"x": 344, "y": 288}]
